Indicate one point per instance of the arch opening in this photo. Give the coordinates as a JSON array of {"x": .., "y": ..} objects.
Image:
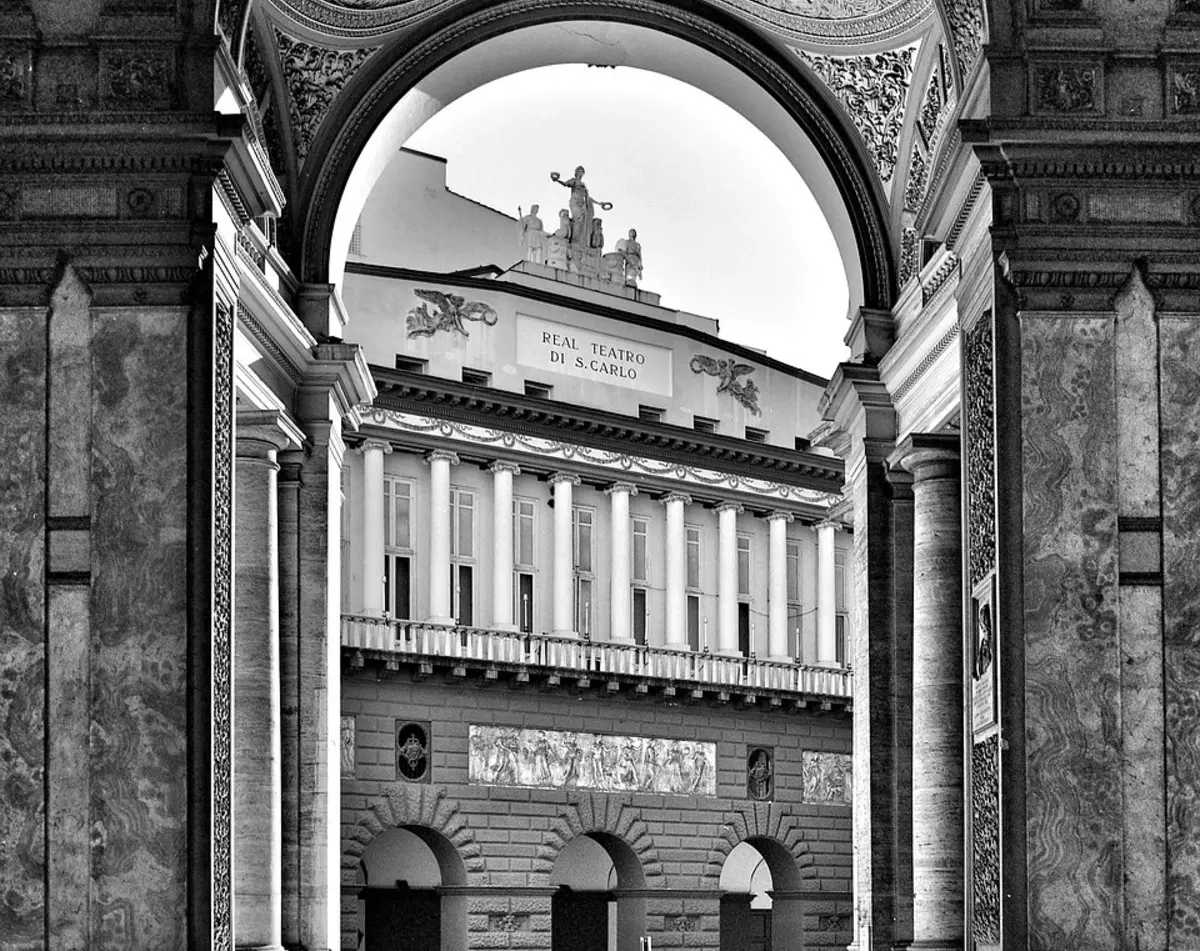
[
  {"x": 408, "y": 900},
  {"x": 782, "y": 102},
  {"x": 600, "y": 903},
  {"x": 761, "y": 905}
]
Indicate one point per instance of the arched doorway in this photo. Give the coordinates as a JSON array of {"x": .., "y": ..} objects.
[
  {"x": 761, "y": 907},
  {"x": 598, "y": 905},
  {"x": 404, "y": 904}
]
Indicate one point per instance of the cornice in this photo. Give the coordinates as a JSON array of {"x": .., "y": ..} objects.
[
  {"x": 584, "y": 306},
  {"x": 514, "y": 412},
  {"x": 931, "y": 357}
]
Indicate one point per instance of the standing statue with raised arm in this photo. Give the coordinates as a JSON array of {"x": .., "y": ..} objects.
[{"x": 582, "y": 206}]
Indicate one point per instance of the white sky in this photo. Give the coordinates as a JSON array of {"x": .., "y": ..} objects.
[{"x": 728, "y": 228}]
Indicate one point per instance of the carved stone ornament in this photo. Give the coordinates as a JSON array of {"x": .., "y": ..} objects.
[
  {"x": 508, "y": 922},
  {"x": 760, "y": 774},
  {"x": 918, "y": 178},
  {"x": 985, "y": 834},
  {"x": 347, "y": 746},
  {"x": 1067, "y": 88},
  {"x": 1064, "y": 207},
  {"x": 727, "y": 372},
  {"x": 827, "y": 778},
  {"x": 873, "y": 89},
  {"x": 965, "y": 18},
  {"x": 452, "y": 314},
  {"x": 1185, "y": 92},
  {"x": 981, "y": 450},
  {"x": 831, "y": 9},
  {"x": 681, "y": 923},
  {"x": 908, "y": 255},
  {"x": 14, "y": 77},
  {"x": 315, "y": 75},
  {"x": 931, "y": 108},
  {"x": 137, "y": 79},
  {"x": 413, "y": 752}
]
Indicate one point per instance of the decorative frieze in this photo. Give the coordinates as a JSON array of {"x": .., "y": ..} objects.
[
  {"x": 874, "y": 90},
  {"x": 551, "y": 759},
  {"x": 728, "y": 372},
  {"x": 453, "y": 314},
  {"x": 981, "y": 450},
  {"x": 918, "y": 178},
  {"x": 931, "y": 108},
  {"x": 1068, "y": 89},
  {"x": 137, "y": 79},
  {"x": 315, "y": 75},
  {"x": 908, "y": 254},
  {"x": 985, "y": 840},
  {"x": 827, "y": 778}
]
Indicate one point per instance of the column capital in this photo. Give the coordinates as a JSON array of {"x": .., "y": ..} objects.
[
  {"x": 833, "y": 523},
  {"x": 928, "y": 456},
  {"x": 442, "y": 455},
  {"x": 571, "y": 477},
  {"x": 379, "y": 445},
  {"x": 627, "y": 487},
  {"x": 261, "y": 432},
  {"x": 501, "y": 466},
  {"x": 735, "y": 507},
  {"x": 677, "y": 497},
  {"x": 781, "y": 517}
]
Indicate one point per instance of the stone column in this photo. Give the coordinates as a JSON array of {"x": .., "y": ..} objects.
[
  {"x": 257, "y": 778},
  {"x": 440, "y": 461},
  {"x": 727, "y": 578},
  {"x": 777, "y": 593},
  {"x": 373, "y": 451},
  {"x": 564, "y": 565},
  {"x": 676, "y": 629},
  {"x": 502, "y": 544},
  {"x": 826, "y": 595},
  {"x": 620, "y": 627},
  {"x": 937, "y": 767}
]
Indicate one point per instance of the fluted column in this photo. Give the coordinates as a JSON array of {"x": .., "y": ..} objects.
[
  {"x": 440, "y": 462},
  {"x": 502, "y": 544},
  {"x": 257, "y": 776},
  {"x": 937, "y": 713},
  {"x": 619, "y": 494},
  {"x": 777, "y": 593},
  {"x": 564, "y": 567},
  {"x": 373, "y": 451},
  {"x": 727, "y": 577},
  {"x": 826, "y": 594},
  {"x": 676, "y": 628}
]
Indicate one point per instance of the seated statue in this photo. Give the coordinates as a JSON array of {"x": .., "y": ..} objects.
[
  {"x": 564, "y": 225},
  {"x": 533, "y": 237}
]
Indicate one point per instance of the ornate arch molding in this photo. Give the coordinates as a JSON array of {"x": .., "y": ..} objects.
[
  {"x": 396, "y": 69},
  {"x": 425, "y": 806},
  {"x": 598, "y": 812},
  {"x": 750, "y": 820}
]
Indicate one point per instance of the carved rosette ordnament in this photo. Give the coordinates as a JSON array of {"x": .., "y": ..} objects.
[
  {"x": 222, "y": 631},
  {"x": 873, "y": 89},
  {"x": 985, "y": 840},
  {"x": 315, "y": 75},
  {"x": 981, "y": 450},
  {"x": 453, "y": 311},
  {"x": 728, "y": 372}
]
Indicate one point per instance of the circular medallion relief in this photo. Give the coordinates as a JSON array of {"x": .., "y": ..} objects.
[{"x": 412, "y": 752}]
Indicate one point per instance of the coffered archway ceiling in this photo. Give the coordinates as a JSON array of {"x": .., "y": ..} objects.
[{"x": 886, "y": 73}]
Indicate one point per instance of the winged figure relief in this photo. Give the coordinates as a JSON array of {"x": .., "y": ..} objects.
[
  {"x": 729, "y": 373},
  {"x": 452, "y": 313}
]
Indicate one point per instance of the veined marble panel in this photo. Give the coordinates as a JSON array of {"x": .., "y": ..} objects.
[
  {"x": 828, "y": 777},
  {"x": 22, "y": 643},
  {"x": 139, "y": 792},
  {"x": 1072, "y": 649},
  {"x": 1180, "y": 387},
  {"x": 549, "y": 759}
]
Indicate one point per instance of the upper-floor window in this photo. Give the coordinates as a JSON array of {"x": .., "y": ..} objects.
[
  {"x": 756, "y": 435},
  {"x": 462, "y": 523},
  {"x": 524, "y": 532},
  {"x": 582, "y": 523},
  {"x": 641, "y": 529},
  {"x": 693, "y": 557},
  {"x": 839, "y": 579},
  {"x": 743, "y": 565},
  {"x": 702, "y": 424},
  {"x": 795, "y": 610},
  {"x": 398, "y": 582},
  {"x": 397, "y": 513},
  {"x": 476, "y": 377},
  {"x": 542, "y": 391},
  {"x": 411, "y": 364},
  {"x": 651, "y": 414}
]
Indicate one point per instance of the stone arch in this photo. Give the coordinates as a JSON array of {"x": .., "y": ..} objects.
[
  {"x": 420, "y": 807},
  {"x": 388, "y": 75},
  {"x": 764, "y": 821},
  {"x": 588, "y": 812}
]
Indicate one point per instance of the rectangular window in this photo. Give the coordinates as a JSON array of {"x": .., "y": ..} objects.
[
  {"x": 693, "y": 558},
  {"x": 524, "y": 532},
  {"x": 651, "y": 414},
  {"x": 702, "y": 424},
  {"x": 794, "y": 608},
  {"x": 583, "y": 543},
  {"x": 476, "y": 377},
  {"x": 582, "y": 538},
  {"x": 411, "y": 364},
  {"x": 583, "y": 606},
  {"x": 397, "y": 513},
  {"x": 840, "y": 635},
  {"x": 744, "y": 644},
  {"x": 523, "y": 608},
  {"x": 693, "y": 621},
  {"x": 755, "y": 435},
  {"x": 542, "y": 391},
  {"x": 462, "y": 594},
  {"x": 743, "y": 565},
  {"x": 640, "y": 618},
  {"x": 839, "y": 579},
  {"x": 462, "y": 523},
  {"x": 397, "y": 586},
  {"x": 641, "y": 529}
]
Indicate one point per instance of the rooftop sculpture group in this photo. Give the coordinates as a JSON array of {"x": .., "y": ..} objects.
[{"x": 578, "y": 243}]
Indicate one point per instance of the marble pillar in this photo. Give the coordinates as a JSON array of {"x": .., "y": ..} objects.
[
  {"x": 777, "y": 593},
  {"x": 564, "y": 563},
  {"x": 727, "y": 578},
  {"x": 257, "y": 779},
  {"x": 440, "y": 462},
  {"x": 373, "y": 451},
  {"x": 621, "y": 553},
  {"x": 937, "y": 768},
  {"x": 676, "y": 627},
  {"x": 502, "y": 544},
  {"x": 826, "y": 594}
]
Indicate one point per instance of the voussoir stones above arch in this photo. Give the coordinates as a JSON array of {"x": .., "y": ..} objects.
[
  {"x": 587, "y": 812},
  {"x": 413, "y": 805},
  {"x": 752, "y": 820}
]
